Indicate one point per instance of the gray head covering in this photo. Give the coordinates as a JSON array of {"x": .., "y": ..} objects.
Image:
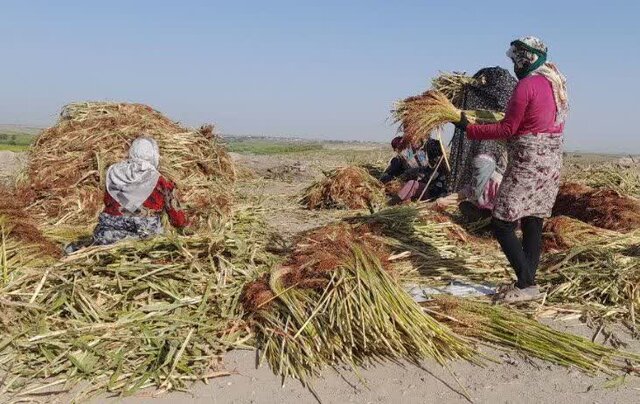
[{"x": 130, "y": 182}]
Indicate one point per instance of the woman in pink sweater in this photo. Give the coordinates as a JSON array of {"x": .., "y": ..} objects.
[{"x": 532, "y": 127}]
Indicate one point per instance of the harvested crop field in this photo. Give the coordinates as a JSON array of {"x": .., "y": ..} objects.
[{"x": 269, "y": 187}]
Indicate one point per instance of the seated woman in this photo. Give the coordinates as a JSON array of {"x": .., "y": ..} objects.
[
  {"x": 136, "y": 195},
  {"x": 480, "y": 195}
]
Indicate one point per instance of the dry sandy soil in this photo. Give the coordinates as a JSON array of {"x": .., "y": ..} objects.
[{"x": 277, "y": 181}]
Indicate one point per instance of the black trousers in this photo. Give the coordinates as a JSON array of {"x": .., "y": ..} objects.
[{"x": 524, "y": 256}]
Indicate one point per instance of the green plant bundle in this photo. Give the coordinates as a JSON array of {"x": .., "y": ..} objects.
[{"x": 361, "y": 316}]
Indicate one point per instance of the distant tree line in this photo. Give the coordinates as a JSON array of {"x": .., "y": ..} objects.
[{"x": 6, "y": 138}]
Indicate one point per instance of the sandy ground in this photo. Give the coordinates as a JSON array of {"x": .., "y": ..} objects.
[
  {"x": 10, "y": 164},
  {"x": 276, "y": 181}
]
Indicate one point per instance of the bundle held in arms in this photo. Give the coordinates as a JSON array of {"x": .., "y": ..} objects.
[
  {"x": 422, "y": 114},
  {"x": 336, "y": 301},
  {"x": 65, "y": 177},
  {"x": 348, "y": 187}
]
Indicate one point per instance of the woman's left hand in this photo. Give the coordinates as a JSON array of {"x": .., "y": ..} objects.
[{"x": 463, "y": 122}]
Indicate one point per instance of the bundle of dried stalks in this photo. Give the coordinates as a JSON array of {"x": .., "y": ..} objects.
[
  {"x": 65, "y": 177},
  {"x": 420, "y": 115},
  {"x": 624, "y": 180},
  {"x": 505, "y": 327},
  {"x": 603, "y": 208},
  {"x": 349, "y": 187},
  {"x": 336, "y": 301},
  {"x": 452, "y": 85},
  {"x": 562, "y": 232}
]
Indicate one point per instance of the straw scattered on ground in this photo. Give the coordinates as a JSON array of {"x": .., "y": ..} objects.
[{"x": 139, "y": 314}]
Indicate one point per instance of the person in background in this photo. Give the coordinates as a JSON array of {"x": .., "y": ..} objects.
[
  {"x": 136, "y": 197},
  {"x": 533, "y": 128},
  {"x": 481, "y": 194},
  {"x": 491, "y": 89}
]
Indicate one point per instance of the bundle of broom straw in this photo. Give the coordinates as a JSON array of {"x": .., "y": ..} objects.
[
  {"x": 65, "y": 177},
  {"x": 603, "y": 208},
  {"x": 420, "y": 115},
  {"x": 452, "y": 85},
  {"x": 562, "y": 233},
  {"x": 504, "y": 327},
  {"x": 349, "y": 187},
  {"x": 336, "y": 302}
]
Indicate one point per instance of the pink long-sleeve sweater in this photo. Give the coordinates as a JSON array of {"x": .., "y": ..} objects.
[{"x": 531, "y": 110}]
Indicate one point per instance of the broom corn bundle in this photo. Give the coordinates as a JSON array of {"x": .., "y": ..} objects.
[
  {"x": 420, "y": 115},
  {"x": 505, "y": 327},
  {"x": 349, "y": 187},
  {"x": 603, "y": 208},
  {"x": 452, "y": 85},
  {"x": 562, "y": 232},
  {"x": 338, "y": 303},
  {"x": 64, "y": 180}
]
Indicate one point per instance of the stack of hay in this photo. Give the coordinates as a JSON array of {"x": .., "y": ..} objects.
[
  {"x": 349, "y": 187},
  {"x": 136, "y": 314},
  {"x": 603, "y": 208},
  {"x": 64, "y": 181}
]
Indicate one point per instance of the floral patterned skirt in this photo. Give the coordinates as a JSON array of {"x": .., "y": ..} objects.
[
  {"x": 111, "y": 229},
  {"x": 532, "y": 178}
]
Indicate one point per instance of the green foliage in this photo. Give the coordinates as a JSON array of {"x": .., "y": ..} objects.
[{"x": 267, "y": 147}]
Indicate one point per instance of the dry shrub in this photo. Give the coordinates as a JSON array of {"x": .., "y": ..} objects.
[
  {"x": 603, "y": 208},
  {"x": 68, "y": 162},
  {"x": 562, "y": 233},
  {"x": 348, "y": 187}
]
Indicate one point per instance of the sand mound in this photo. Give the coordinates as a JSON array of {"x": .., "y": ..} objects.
[{"x": 65, "y": 176}]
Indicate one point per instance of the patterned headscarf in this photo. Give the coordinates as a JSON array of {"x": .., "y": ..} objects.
[{"x": 529, "y": 56}]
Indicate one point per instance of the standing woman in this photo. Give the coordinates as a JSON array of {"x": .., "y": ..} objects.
[{"x": 533, "y": 126}]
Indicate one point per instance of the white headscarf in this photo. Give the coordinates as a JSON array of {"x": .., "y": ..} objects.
[
  {"x": 526, "y": 51},
  {"x": 131, "y": 182}
]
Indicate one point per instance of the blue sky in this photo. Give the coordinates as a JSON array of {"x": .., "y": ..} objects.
[{"x": 314, "y": 69}]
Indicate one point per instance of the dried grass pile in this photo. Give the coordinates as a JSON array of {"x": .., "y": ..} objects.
[
  {"x": 624, "y": 180},
  {"x": 335, "y": 302},
  {"x": 603, "y": 208},
  {"x": 21, "y": 240},
  {"x": 420, "y": 115},
  {"x": 603, "y": 274},
  {"x": 504, "y": 327},
  {"x": 139, "y": 314},
  {"x": 65, "y": 177},
  {"x": 349, "y": 187},
  {"x": 562, "y": 233}
]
